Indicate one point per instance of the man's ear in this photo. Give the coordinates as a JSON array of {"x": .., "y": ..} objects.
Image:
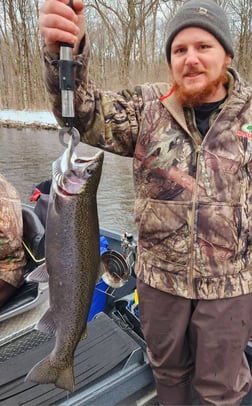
[
  {"x": 228, "y": 60},
  {"x": 170, "y": 74}
]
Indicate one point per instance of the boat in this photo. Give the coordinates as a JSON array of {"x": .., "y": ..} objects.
[{"x": 111, "y": 366}]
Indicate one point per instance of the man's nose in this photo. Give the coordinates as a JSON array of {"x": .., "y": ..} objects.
[{"x": 191, "y": 57}]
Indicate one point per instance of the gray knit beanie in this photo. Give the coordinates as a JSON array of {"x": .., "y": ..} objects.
[{"x": 204, "y": 14}]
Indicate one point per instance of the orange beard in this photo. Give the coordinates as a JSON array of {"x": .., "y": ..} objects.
[{"x": 188, "y": 98}]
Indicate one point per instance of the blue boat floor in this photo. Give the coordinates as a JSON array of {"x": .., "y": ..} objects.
[{"x": 105, "y": 349}]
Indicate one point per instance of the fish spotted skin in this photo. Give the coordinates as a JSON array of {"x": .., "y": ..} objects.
[{"x": 72, "y": 262}]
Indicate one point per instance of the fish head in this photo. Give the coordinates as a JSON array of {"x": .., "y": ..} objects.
[{"x": 73, "y": 175}]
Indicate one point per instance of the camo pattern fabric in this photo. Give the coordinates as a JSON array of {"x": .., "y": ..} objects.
[
  {"x": 193, "y": 199},
  {"x": 193, "y": 195},
  {"x": 12, "y": 257}
]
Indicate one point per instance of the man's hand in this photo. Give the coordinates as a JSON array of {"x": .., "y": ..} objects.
[{"x": 60, "y": 23}]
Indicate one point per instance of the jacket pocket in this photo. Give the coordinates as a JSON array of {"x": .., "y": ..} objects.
[
  {"x": 164, "y": 233},
  {"x": 220, "y": 237}
]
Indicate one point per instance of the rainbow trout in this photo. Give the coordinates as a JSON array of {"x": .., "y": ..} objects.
[{"x": 72, "y": 262}]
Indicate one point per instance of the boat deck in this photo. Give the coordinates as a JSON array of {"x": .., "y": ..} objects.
[
  {"x": 105, "y": 365},
  {"x": 110, "y": 366}
]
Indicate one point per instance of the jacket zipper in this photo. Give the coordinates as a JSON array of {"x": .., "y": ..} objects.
[{"x": 198, "y": 150}]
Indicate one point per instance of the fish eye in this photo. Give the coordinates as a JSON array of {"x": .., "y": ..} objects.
[{"x": 89, "y": 171}]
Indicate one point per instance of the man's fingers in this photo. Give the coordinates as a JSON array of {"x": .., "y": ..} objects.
[
  {"x": 58, "y": 8},
  {"x": 60, "y": 23},
  {"x": 52, "y": 21}
]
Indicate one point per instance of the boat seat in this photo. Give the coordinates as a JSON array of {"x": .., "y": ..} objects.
[
  {"x": 33, "y": 238},
  {"x": 34, "y": 242}
]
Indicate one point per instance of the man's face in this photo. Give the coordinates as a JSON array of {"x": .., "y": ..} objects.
[{"x": 198, "y": 67}]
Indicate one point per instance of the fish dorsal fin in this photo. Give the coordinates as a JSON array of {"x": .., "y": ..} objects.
[
  {"x": 46, "y": 323},
  {"x": 39, "y": 274}
]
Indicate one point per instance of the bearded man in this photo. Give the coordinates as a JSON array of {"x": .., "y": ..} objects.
[{"x": 191, "y": 145}]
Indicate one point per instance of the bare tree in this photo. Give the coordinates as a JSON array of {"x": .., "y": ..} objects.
[
  {"x": 123, "y": 23},
  {"x": 241, "y": 18},
  {"x": 127, "y": 45},
  {"x": 21, "y": 67}
]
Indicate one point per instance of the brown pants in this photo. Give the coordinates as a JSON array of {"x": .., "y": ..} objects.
[{"x": 198, "y": 342}]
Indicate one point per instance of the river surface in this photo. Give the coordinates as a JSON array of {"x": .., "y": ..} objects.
[{"x": 26, "y": 159}]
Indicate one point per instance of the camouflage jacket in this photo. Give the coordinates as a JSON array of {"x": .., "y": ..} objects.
[
  {"x": 12, "y": 256},
  {"x": 193, "y": 207}
]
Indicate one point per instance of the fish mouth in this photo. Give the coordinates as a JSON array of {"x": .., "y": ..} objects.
[
  {"x": 64, "y": 192},
  {"x": 71, "y": 183},
  {"x": 72, "y": 174}
]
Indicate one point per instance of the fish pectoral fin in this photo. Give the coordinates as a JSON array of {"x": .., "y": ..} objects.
[
  {"x": 45, "y": 372},
  {"x": 46, "y": 323},
  {"x": 39, "y": 274},
  {"x": 84, "y": 335}
]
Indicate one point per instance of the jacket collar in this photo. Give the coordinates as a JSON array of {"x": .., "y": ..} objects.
[
  {"x": 175, "y": 109},
  {"x": 170, "y": 101}
]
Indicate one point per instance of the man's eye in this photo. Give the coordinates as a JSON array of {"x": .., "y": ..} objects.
[
  {"x": 179, "y": 50},
  {"x": 204, "y": 46}
]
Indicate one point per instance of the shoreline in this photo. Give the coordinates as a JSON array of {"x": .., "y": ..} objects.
[
  {"x": 20, "y": 125},
  {"x": 11, "y": 118}
]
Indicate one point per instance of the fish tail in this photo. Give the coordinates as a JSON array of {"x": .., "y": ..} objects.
[{"x": 44, "y": 372}]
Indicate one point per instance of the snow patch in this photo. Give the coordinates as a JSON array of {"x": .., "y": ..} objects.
[{"x": 28, "y": 117}]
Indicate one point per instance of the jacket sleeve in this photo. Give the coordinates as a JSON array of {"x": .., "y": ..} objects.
[{"x": 106, "y": 119}]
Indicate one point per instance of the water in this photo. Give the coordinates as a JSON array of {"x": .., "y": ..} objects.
[{"x": 26, "y": 159}]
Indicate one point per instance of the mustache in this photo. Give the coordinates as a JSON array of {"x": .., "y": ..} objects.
[{"x": 189, "y": 71}]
